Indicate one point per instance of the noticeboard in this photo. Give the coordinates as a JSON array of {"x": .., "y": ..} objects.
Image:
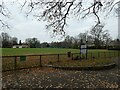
[
  {"x": 83, "y": 49},
  {"x": 22, "y": 58}
]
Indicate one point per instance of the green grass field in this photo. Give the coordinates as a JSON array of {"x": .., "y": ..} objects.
[{"x": 33, "y": 51}]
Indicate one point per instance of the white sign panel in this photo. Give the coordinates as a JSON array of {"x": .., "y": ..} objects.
[{"x": 83, "y": 49}]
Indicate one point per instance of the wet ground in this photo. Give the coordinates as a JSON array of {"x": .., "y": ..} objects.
[{"x": 53, "y": 78}]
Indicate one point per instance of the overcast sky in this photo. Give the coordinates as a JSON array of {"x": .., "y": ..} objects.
[{"x": 23, "y": 27}]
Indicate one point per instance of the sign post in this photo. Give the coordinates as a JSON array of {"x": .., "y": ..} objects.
[{"x": 83, "y": 50}]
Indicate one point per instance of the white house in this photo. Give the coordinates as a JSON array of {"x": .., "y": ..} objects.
[{"x": 20, "y": 46}]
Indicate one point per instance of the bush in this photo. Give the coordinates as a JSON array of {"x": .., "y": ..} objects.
[
  {"x": 94, "y": 47},
  {"x": 113, "y": 48}
]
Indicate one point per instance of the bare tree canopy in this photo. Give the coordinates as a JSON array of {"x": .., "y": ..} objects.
[
  {"x": 4, "y": 13},
  {"x": 57, "y": 12},
  {"x": 99, "y": 35}
]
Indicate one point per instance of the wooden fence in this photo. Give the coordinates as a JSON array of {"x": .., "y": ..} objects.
[{"x": 28, "y": 61}]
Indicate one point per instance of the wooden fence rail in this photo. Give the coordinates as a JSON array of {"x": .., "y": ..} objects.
[{"x": 28, "y": 61}]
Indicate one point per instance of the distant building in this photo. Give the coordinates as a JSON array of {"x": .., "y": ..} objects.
[{"x": 20, "y": 46}]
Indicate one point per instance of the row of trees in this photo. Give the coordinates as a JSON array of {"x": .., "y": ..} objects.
[
  {"x": 95, "y": 38},
  {"x": 7, "y": 41}
]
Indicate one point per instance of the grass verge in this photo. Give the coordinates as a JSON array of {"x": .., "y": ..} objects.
[{"x": 83, "y": 63}]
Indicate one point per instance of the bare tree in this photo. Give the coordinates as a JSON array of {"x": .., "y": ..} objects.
[
  {"x": 57, "y": 12},
  {"x": 14, "y": 40},
  {"x": 100, "y": 36},
  {"x": 4, "y": 13},
  {"x": 83, "y": 37},
  {"x": 6, "y": 40},
  {"x": 33, "y": 42}
]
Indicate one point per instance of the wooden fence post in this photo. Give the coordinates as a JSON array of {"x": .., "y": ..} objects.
[
  {"x": 91, "y": 56},
  {"x": 114, "y": 54},
  {"x": 98, "y": 55},
  {"x": 40, "y": 63},
  {"x": 72, "y": 55},
  {"x": 15, "y": 63},
  {"x": 86, "y": 55},
  {"x": 118, "y": 54},
  {"x": 105, "y": 55},
  {"x": 109, "y": 55},
  {"x": 58, "y": 57}
]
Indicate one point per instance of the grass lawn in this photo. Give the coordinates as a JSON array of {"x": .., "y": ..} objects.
[
  {"x": 27, "y": 51},
  {"x": 84, "y": 63}
]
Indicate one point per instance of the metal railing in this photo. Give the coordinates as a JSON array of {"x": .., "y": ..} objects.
[{"x": 28, "y": 61}]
